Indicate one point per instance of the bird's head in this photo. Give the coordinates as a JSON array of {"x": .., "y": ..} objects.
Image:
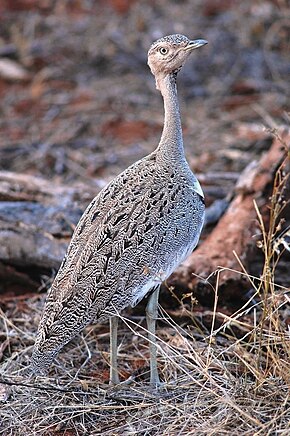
[{"x": 168, "y": 54}]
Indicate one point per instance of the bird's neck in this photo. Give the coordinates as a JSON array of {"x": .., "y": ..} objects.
[{"x": 171, "y": 142}]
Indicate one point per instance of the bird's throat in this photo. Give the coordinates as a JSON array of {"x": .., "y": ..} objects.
[{"x": 171, "y": 142}]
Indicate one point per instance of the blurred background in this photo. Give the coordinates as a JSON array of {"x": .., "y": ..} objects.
[{"x": 78, "y": 101}]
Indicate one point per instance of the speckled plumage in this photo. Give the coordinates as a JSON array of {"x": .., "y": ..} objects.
[
  {"x": 131, "y": 237},
  {"x": 176, "y": 39}
]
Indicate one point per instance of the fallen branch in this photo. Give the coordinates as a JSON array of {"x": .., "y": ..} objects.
[
  {"x": 37, "y": 218},
  {"x": 234, "y": 233}
]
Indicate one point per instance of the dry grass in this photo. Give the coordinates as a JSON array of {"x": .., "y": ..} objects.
[
  {"x": 214, "y": 384},
  {"x": 227, "y": 378}
]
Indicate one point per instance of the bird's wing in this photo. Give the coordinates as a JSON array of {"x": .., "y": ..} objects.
[{"x": 112, "y": 227}]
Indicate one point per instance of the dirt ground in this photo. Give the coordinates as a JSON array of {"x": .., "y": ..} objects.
[
  {"x": 87, "y": 107},
  {"x": 78, "y": 104}
]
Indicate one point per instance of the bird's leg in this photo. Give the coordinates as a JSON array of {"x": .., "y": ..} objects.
[
  {"x": 151, "y": 316},
  {"x": 114, "y": 376}
]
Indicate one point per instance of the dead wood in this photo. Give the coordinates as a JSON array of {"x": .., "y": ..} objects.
[
  {"x": 23, "y": 187},
  {"x": 37, "y": 218},
  {"x": 234, "y": 233}
]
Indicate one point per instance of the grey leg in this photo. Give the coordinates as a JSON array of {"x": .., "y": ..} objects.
[
  {"x": 114, "y": 376},
  {"x": 151, "y": 316}
]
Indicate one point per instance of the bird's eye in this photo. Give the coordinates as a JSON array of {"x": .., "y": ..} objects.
[{"x": 163, "y": 50}]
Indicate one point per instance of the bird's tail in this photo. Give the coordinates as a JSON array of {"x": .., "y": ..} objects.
[{"x": 41, "y": 362}]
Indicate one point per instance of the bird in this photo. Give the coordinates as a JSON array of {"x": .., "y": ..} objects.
[{"x": 132, "y": 235}]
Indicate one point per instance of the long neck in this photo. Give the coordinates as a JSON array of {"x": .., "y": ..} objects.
[{"x": 171, "y": 142}]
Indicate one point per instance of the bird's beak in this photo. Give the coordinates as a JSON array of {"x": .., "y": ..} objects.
[{"x": 192, "y": 45}]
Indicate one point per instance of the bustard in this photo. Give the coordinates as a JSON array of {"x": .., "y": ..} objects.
[{"x": 132, "y": 236}]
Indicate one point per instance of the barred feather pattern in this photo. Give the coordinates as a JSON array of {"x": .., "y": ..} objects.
[{"x": 131, "y": 237}]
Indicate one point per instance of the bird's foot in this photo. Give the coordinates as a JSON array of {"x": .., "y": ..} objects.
[{"x": 155, "y": 382}]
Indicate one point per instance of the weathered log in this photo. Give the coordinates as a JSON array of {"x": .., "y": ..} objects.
[
  {"x": 233, "y": 233},
  {"x": 23, "y": 187},
  {"x": 37, "y": 218},
  {"x": 33, "y": 234}
]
